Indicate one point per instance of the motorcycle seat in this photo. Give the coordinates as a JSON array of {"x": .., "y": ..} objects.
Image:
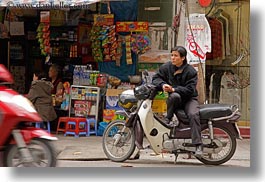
[{"x": 207, "y": 111}]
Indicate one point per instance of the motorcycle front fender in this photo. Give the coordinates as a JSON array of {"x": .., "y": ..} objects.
[
  {"x": 132, "y": 119},
  {"x": 122, "y": 113},
  {"x": 31, "y": 133}
]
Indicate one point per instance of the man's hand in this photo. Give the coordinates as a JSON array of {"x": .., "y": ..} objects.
[{"x": 168, "y": 88}]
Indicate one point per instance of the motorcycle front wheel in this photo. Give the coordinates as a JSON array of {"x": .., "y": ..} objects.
[
  {"x": 118, "y": 141},
  {"x": 41, "y": 150},
  {"x": 222, "y": 147}
]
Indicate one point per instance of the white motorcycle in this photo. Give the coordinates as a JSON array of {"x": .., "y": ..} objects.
[{"x": 219, "y": 130}]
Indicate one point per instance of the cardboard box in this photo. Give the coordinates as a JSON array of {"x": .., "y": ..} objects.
[
  {"x": 112, "y": 99},
  {"x": 114, "y": 92}
]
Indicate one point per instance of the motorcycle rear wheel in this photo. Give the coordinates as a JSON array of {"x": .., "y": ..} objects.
[
  {"x": 41, "y": 150},
  {"x": 227, "y": 139},
  {"x": 118, "y": 146}
]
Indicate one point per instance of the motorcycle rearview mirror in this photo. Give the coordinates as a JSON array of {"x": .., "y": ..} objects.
[{"x": 145, "y": 73}]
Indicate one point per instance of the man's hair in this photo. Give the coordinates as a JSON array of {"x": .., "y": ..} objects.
[
  {"x": 182, "y": 51},
  {"x": 40, "y": 74}
]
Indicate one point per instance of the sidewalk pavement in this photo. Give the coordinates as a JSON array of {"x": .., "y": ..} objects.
[
  {"x": 90, "y": 148},
  {"x": 81, "y": 148}
]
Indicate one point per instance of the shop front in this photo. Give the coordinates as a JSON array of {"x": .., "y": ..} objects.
[{"x": 103, "y": 44}]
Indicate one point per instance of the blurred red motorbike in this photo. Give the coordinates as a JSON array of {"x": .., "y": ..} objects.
[{"x": 21, "y": 145}]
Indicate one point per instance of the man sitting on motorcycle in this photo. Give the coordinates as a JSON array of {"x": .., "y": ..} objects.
[{"x": 179, "y": 79}]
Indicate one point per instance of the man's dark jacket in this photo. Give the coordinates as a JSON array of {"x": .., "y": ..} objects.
[{"x": 183, "y": 79}]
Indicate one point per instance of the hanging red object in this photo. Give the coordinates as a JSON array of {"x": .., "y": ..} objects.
[{"x": 205, "y": 3}]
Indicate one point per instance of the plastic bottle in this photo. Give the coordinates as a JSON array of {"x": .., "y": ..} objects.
[
  {"x": 81, "y": 73},
  {"x": 96, "y": 77},
  {"x": 86, "y": 77},
  {"x": 76, "y": 75},
  {"x": 91, "y": 77}
]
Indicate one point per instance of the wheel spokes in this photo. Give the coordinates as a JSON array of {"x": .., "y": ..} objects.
[
  {"x": 123, "y": 145},
  {"x": 223, "y": 143}
]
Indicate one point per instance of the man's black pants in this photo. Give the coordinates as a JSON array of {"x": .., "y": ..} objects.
[{"x": 191, "y": 108}]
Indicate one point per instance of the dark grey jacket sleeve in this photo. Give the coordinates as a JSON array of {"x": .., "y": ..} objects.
[{"x": 160, "y": 77}]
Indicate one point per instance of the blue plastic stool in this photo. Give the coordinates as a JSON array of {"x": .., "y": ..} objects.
[
  {"x": 89, "y": 129},
  {"x": 38, "y": 125}
]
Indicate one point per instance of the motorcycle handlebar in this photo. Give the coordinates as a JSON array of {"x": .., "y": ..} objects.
[{"x": 153, "y": 92}]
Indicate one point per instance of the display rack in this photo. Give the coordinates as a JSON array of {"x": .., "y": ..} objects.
[
  {"x": 17, "y": 64},
  {"x": 84, "y": 101}
]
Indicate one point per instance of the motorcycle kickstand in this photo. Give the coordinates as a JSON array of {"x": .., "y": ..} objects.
[
  {"x": 137, "y": 155},
  {"x": 176, "y": 158},
  {"x": 22, "y": 147}
]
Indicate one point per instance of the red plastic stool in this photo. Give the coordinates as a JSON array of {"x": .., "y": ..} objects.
[
  {"x": 76, "y": 126},
  {"x": 61, "y": 126}
]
